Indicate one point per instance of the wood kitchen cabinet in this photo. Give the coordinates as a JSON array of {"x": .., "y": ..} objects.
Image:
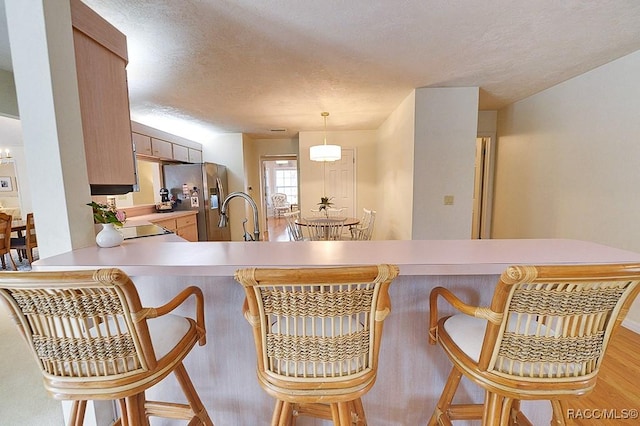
[
  {"x": 195, "y": 156},
  {"x": 187, "y": 227},
  {"x": 183, "y": 226},
  {"x": 161, "y": 149},
  {"x": 142, "y": 143},
  {"x": 159, "y": 145},
  {"x": 101, "y": 58},
  {"x": 180, "y": 153}
]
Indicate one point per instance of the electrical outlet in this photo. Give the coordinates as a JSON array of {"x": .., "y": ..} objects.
[{"x": 448, "y": 200}]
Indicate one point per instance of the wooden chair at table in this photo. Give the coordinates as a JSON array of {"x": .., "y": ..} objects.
[
  {"x": 293, "y": 228},
  {"x": 317, "y": 333},
  {"x": 364, "y": 229},
  {"x": 26, "y": 244},
  {"x": 543, "y": 338},
  {"x": 325, "y": 228},
  {"x": 5, "y": 239},
  {"x": 93, "y": 340}
]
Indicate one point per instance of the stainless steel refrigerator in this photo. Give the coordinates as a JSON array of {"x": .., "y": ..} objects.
[{"x": 199, "y": 187}]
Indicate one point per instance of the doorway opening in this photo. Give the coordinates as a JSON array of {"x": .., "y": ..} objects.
[
  {"x": 483, "y": 187},
  {"x": 279, "y": 175}
]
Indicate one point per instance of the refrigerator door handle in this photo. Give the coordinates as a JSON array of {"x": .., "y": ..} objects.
[{"x": 221, "y": 194}]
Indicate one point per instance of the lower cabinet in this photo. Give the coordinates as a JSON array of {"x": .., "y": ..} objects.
[{"x": 185, "y": 226}]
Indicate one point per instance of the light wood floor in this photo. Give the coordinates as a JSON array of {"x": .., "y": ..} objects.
[
  {"x": 276, "y": 229},
  {"x": 618, "y": 386}
]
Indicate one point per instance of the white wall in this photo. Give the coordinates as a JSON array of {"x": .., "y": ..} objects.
[
  {"x": 568, "y": 161},
  {"x": 395, "y": 172},
  {"x": 312, "y": 172},
  {"x": 43, "y": 59},
  {"x": 11, "y": 138},
  {"x": 8, "y": 99},
  {"x": 228, "y": 149},
  {"x": 256, "y": 149},
  {"x": 444, "y": 154}
]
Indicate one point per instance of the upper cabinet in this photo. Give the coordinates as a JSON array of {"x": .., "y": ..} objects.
[
  {"x": 195, "y": 156},
  {"x": 151, "y": 143},
  {"x": 142, "y": 144},
  {"x": 161, "y": 149},
  {"x": 101, "y": 58},
  {"x": 181, "y": 153}
]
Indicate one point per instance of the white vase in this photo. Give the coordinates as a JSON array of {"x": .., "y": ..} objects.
[{"x": 109, "y": 236}]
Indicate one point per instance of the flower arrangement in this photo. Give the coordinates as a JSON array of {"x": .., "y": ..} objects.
[
  {"x": 325, "y": 203},
  {"x": 105, "y": 214}
]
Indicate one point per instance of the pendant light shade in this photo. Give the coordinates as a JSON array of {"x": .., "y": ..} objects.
[{"x": 325, "y": 152}]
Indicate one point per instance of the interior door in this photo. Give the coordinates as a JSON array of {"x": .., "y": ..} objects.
[
  {"x": 340, "y": 182},
  {"x": 483, "y": 188}
]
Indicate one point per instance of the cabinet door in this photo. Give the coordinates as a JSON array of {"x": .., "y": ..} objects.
[
  {"x": 189, "y": 234},
  {"x": 187, "y": 228},
  {"x": 161, "y": 148},
  {"x": 143, "y": 144},
  {"x": 101, "y": 58},
  {"x": 180, "y": 153},
  {"x": 195, "y": 156}
]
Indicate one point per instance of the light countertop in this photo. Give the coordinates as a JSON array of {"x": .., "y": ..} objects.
[
  {"x": 153, "y": 217},
  {"x": 169, "y": 255}
]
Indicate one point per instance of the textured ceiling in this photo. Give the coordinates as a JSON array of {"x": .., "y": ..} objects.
[{"x": 251, "y": 66}]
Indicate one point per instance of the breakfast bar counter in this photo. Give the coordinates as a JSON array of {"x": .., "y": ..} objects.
[
  {"x": 411, "y": 372},
  {"x": 415, "y": 257}
]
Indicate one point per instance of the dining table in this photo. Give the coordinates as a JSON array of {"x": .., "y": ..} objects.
[{"x": 349, "y": 222}]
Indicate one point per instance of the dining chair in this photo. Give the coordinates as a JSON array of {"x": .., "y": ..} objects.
[
  {"x": 279, "y": 203},
  {"x": 324, "y": 228},
  {"x": 329, "y": 212},
  {"x": 543, "y": 337},
  {"x": 5, "y": 239},
  {"x": 336, "y": 212},
  {"x": 27, "y": 242},
  {"x": 317, "y": 334},
  {"x": 364, "y": 229},
  {"x": 293, "y": 228},
  {"x": 93, "y": 340}
]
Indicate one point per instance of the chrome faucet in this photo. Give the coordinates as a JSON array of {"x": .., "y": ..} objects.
[{"x": 224, "y": 219}]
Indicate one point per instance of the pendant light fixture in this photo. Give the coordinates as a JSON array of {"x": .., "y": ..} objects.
[{"x": 325, "y": 152}]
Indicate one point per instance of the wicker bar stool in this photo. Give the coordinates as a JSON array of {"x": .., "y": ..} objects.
[
  {"x": 543, "y": 338},
  {"x": 317, "y": 334},
  {"x": 93, "y": 340}
]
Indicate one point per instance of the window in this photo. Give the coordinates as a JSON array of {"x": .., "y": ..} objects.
[{"x": 287, "y": 183}]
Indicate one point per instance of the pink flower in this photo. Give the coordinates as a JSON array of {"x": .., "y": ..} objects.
[{"x": 121, "y": 215}]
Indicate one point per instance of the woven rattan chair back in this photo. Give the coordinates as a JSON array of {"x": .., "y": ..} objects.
[
  {"x": 546, "y": 333},
  {"x": 60, "y": 322},
  {"x": 325, "y": 228},
  {"x": 557, "y": 320},
  {"x": 317, "y": 332},
  {"x": 90, "y": 336},
  {"x": 293, "y": 228}
]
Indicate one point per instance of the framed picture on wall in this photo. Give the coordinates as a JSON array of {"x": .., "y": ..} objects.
[{"x": 5, "y": 184}]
